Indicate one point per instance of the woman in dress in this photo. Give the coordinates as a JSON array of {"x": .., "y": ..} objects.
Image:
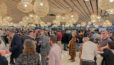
[
  {"x": 29, "y": 55},
  {"x": 72, "y": 47}
]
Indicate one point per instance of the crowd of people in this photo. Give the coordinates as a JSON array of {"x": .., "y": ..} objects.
[{"x": 44, "y": 47}]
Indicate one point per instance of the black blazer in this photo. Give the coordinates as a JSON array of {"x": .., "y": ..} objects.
[
  {"x": 108, "y": 57},
  {"x": 16, "y": 46},
  {"x": 3, "y": 60},
  {"x": 65, "y": 39},
  {"x": 28, "y": 37}
]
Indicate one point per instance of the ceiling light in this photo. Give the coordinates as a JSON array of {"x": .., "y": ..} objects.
[
  {"x": 25, "y": 5},
  {"x": 111, "y": 0},
  {"x": 41, "y": 3},
  {"x": 99, "y": 17},
  {"x": 110, "y": 11},
  {"x": 63, "y": 17},
  {"x": 72, "y": 16},
  {"x": 86, "y": 0}
]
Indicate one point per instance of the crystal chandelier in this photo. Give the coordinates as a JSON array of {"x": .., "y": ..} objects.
[
  {"x": 107, "y": 5},
  {"x": 41, "y": 7}
]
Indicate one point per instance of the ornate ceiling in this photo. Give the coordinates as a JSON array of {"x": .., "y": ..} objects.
[{"x": 84, "y": 9}]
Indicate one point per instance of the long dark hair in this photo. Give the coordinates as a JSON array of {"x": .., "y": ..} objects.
[{"x": 111, "y": 44}]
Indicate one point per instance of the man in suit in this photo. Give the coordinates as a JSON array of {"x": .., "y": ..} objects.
[
  {"x": 3, "y": 60},
  {"x": 65, "y": 40},
  {"x": 31, "y": 35},
  {"x": 16, "y": 46}
]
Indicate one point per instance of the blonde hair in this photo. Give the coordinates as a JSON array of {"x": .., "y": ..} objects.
[
  {"x": 74, "y": 33},
  {"x": 30, "y": 47}
]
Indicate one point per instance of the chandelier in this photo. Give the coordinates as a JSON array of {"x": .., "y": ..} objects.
[
  {"x": 72, "y": 16},
  {"x": 73, "y": 21},
  {"x": 95, "y": 18},
  {"x": 58, "y": 17},
  {"x": 83, "y": 24},
  {"x": 107, "y": 23},
  {"x": 110, "y": 11},
  {"x": 68, "y": 25},
  {"x": 3, "y": 9},
  {"x": 41, "y": 7},
  {"x": 25, "y": 7},
  {"x": 89, "y": 23},
  {"x": 36, "y": 19},
  {"x": 1, "y": 20},
  {"x": 7, "y": 18},
  {"x": 26, "y": 1},
  {"x": 31, "y": 19},
  {"x": 56, "y": 21},
  {"x": 64, "y": 18},
  {"x": 107, "y": 5},
  {"x": 96, "y": 25},
  {"x": 43, "y": 24},
  {"x": 78, "y": 25},
  {"x": 87, "y": 26}
]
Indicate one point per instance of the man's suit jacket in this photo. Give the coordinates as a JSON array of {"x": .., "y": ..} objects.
[
  {"x": 16, "y": 46},
  {"x": 3, "y": 60}
]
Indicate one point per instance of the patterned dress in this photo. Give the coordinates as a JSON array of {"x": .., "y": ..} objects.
[
  {"x": 72, "y": 47},
  {"x": 28, "y": 60}
]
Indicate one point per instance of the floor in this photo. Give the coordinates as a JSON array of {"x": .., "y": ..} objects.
[{"x": 65, "y": 58}]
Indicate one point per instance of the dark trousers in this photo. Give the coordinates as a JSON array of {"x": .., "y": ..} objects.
[
  {"x": 65, "y": 46},
  {"x": 11, "y": 59},
  {"x": 103, "y": 62},
  {"x": 88, "y": 63}
]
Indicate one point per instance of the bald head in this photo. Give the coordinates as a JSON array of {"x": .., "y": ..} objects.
[{"x": 85, "y": 39}]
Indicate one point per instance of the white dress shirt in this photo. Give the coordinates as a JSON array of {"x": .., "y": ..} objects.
[
  {"x": 89, "y": 51},
  {"x": 55, "y": 55},
  {"x": 2, "y": 45}
]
